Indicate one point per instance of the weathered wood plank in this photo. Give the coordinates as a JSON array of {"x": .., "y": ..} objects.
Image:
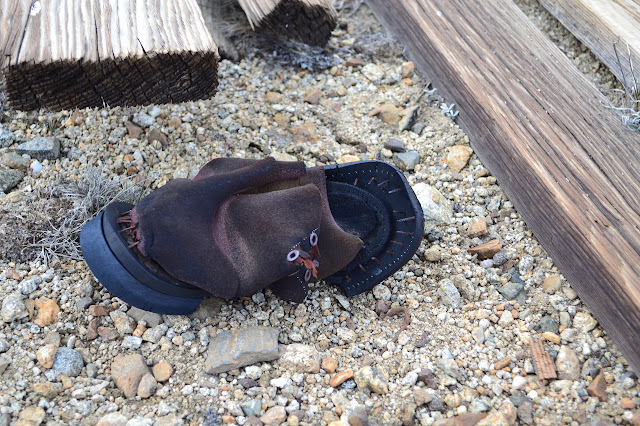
[
  {"x": 66, "y": 53},
  {"x": 601, "y": 23},
  {"x": 308, "y": 21},
  {"x": 568, "y": 165}
]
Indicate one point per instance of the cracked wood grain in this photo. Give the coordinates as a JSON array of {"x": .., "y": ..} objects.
[{"x": 64, "y": 54}]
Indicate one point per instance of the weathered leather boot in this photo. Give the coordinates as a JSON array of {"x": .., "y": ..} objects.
[{"x": 244, "y": 225}]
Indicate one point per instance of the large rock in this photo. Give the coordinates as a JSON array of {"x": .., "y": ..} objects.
[
  {"x": 234, "y": 349},
  {"x": 40, "y": 148}
]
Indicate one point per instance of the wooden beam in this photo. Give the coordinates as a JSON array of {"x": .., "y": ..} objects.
[
  {"x": 601, "y": 23},
  {"x": 61, "y": 54},
  {"x": 568, "y": 165},
  {"x": 308, "y": 21}
]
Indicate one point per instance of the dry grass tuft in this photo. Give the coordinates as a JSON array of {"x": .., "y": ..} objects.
[{"x": 88, "y": 197}]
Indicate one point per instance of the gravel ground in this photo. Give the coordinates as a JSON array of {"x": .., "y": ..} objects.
[{"x": 70, "y": 353}]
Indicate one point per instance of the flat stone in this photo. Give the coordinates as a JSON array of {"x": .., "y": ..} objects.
[
  {"x": 510, "y": 290},
  {"x": 421, "y": 396},
  {"x": 83, "y": 303},
  {"x": 123, "y": 322},
  {"x": 457, "y": 157},
  {"x": 374, "y": 73},
  {"x": 48, "y": 311},
  {"x": 552, "y": 337},
  {"x": 168, "y": 420},
  {"x": 502, "y": 363},
  {"x": 143, "y": 120},
  {"x": 13, "y": 308},
  {"x": 406, "y": 161},
  {"x": 372, "y": 378},
  {"x": 107, "y": 333},
  {"x": 584, "y": 322},
  {"x": 409, "y": 116},
  {"x": 31, "y": 416},
  {"x": 162, "y": 371},
  {"x": 505, "y": 416},
  {"x": 47, "y": 390},
  {"x": 313, "y": 97},
  {"x": 131, "y": 342},
  {"x": 353, "y": 62},
  {"x": 525, "y": 412},
  {"x": 68, "y": 361},
  {"x": 40, "y": 148},
  {"x": 552, "y": 283},
  {"x": 329, "y": 364},
  {"x": 157, "y": 135},
  {"x": 547, "y": 323},
  {"x": 395, "y": 145},
  {"x": 14, "y": 160},
  {"x": 448, "y": 293},
  {"x": 388, "y": 113},
  {"x": 252, "y": 407},
  {"x": 6, "y": 138},
  {"x": 486, "y": 250},
  {"x": 477, "y": 227},
  {"x": 274, "y": 416},
  {"x": 127, "y": 372},
  {"x": 46, "y": 355},
  {"x": 273, "y": 97},
  {"x": 305, "y": 133},
  {"x": 436, "y": 208},
  {"x": 5, "y": 361},
  {"x": 449, "y": 367},
  {"x": 229, "y": 350},
  {"x": 113, "y": 419},
  {"x": 100, "y": 310},
  {"x": 627, "y": 404},
  {"x": 568, "y": 364},
  {"x": 9, "y": 179},
  {"x": 147, "y": 386},
  {"x": 465, "y": 419},
  {"x": 340, "y": 378},
  {"x": 300, "y": 358},
  {"x": 92, "y": 329},
  {"x": 598, "y": 387},
  {"x": 347, "y": 158},
  {"x": 427, "y": 377},
  {"x": 154, "y": 334}
]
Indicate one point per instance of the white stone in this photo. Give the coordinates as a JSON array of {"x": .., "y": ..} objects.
[
  {"x": 253, "y": 372},
  {"x": 584, "y": 322},
  {"x": 434, "y": 205},
  {"x": 519, "y": 382}
]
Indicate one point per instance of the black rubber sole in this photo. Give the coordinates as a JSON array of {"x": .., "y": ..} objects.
[
  {"x": 391, "y": 227},
  {"x": 120, "y": 271}
]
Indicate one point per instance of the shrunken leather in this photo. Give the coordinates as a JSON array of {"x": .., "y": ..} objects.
[{"x": 229, "y": 230}]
